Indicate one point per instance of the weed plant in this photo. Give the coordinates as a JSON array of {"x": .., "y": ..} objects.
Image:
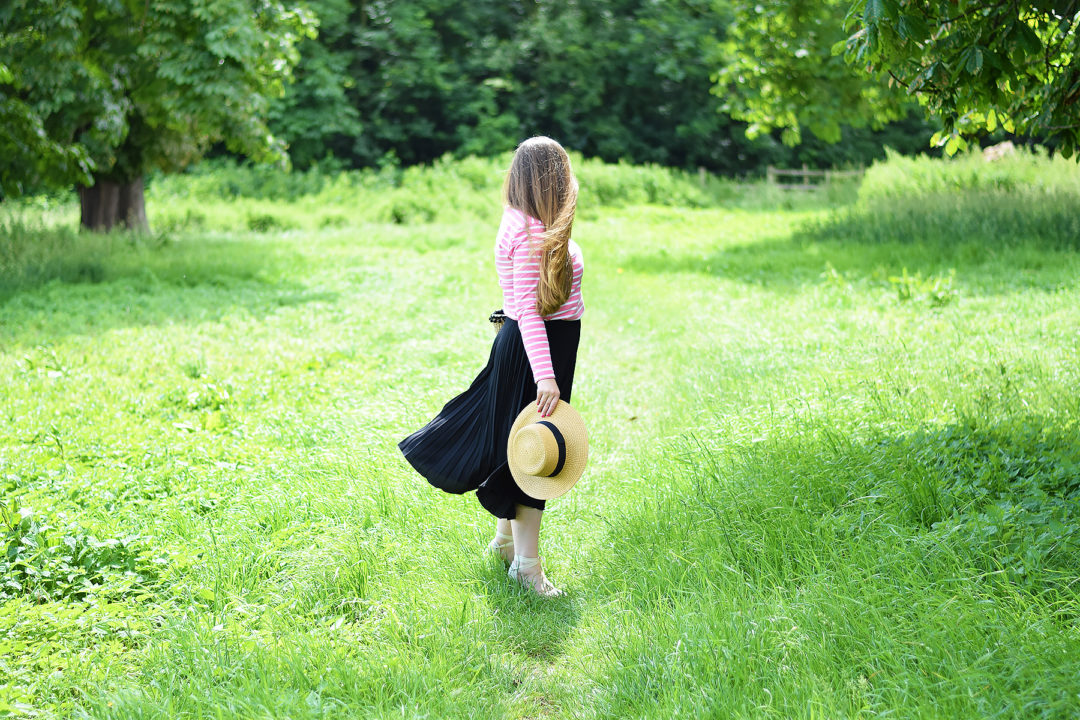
[{"x": 833, "y": 467}]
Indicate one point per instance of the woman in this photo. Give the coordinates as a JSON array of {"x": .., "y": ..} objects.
[{"x": 533, "y": 357}]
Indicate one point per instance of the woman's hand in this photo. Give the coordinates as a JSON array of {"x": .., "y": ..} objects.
[{"x": 547, "y": 396}]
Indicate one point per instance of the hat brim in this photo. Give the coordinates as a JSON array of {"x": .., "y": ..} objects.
[{"x": 573, "y": 431}]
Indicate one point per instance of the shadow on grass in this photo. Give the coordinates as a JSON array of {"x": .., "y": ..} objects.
[
  {"x": 61, "y": 281},
  {"x": 1000, "y": 500},
  {"x": 906, "y": 561},
  {"x": 535, "y": 626},
  {"x": 996, "y": 242}
]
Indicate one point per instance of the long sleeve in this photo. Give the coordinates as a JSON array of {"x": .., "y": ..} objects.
[{"x": 526, "y": 264}]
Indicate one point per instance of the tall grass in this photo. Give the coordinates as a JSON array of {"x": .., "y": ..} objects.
[
  {"x": 1024, "y": 170},
  {"x": 1018, "y": 199}
]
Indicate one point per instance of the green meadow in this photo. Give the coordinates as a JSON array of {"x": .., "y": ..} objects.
[{"x": 834, "y": 451}]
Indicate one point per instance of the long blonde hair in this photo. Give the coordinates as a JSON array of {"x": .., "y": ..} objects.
[{"x": 542, "y": 185}]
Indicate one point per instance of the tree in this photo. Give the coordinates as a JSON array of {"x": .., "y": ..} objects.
[
  {"x": 778, "y": 71},
  {"x": 97, "y": 92},
  {"x": 975, "y": 66},
  {"x": 316, "y": 116},
  {"x": 428, "y": 73},
  {"x": 978, "y": 65},
  {"x": 616, "y": 79},
  {"x": 627, "y": 79}
]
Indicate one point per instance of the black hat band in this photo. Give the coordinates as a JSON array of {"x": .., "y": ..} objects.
[{"x": 558, "y": 441}]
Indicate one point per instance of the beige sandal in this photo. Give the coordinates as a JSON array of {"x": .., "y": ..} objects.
[
  {"x": 545, "y": 589},
  {"x": 496, "y": 546}
]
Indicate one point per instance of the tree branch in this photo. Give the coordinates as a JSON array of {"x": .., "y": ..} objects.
[{"x": 975, "y": 8}]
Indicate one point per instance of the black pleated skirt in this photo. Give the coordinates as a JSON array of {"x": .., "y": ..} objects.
[{"x": 464, "y": 447}]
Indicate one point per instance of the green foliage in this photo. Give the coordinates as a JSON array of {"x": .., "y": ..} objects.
[
  {"x": 410, "y": 81},
  {"x": 62, "y": 645},
  {"x": 977, "y": 66},
  {"x": 25, "y": 144},
  {"x": 778, "y": 71},
  {"x": 818, "y": 537},
  {"x": 990, "y": 219},
  {"x": 30, "y": 255},
  {"x": 267, "y": 222},
  {"x": 923, "y": 177},
  {"x": 229, "y": 179},
  {"x": 447, "y": 190},
  {"x": 110, "y": 89},
  {"x": 316, "y": 116},
  {"x": 44, "y": 562},
  {"x": 628, "y": 185},
  {"x": 426, "y": 78},
  {"x": 1010, "y": 494}
]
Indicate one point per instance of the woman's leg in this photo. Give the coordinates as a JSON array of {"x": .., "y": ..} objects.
[
  {"x": 503, "y": 541},
  {"x": 526, "y": 527}
]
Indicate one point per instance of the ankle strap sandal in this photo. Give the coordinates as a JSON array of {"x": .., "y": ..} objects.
[
  {"x": 538, "y": 584},
  {"x": 501, "y": 541}
]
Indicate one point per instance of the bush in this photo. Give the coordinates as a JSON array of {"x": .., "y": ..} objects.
[
  {"x": 446, "y": 189},
  {"x": 618, "y": 185},
  {"x": 217, "y": 179},
  {"x": 268, "y": 222}
]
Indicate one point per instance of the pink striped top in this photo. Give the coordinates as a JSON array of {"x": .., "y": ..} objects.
[{"x": 519, "y": 274}]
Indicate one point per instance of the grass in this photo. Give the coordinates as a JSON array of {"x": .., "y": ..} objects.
[{"x": 833, "y": 471}]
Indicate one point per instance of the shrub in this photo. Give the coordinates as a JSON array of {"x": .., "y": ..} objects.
[
  {"x": 448, "y": 188},
  {"x": 226, "y": 178},
  {"x": 623, "y": 184}
]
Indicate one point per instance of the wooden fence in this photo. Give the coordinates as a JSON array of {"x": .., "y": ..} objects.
[{"x": 808, "y": 179}]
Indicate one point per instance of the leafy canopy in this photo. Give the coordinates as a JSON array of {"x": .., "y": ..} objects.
[
  {"x": 778, "y": 71},
  {"x": 412, "y": 80},
  {"x": 111, "y": 88},
  {"x": 978, "y": 65}
]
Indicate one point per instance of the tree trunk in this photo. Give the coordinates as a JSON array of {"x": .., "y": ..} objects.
[{"x": 107, "y": 204}]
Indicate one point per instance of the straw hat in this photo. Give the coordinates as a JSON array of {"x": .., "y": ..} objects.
[{"x": 547, "y": 455}]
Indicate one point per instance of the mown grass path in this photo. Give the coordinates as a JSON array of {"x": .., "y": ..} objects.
[{"x": 777, "y": 423}]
